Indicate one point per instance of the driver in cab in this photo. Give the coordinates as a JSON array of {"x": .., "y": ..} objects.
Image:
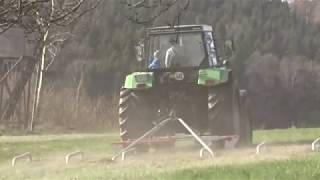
[{"x": 171, "y": 53}]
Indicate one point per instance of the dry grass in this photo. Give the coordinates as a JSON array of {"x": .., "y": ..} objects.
[
  {"x": 60, "y": 112},
  {"x": 49, "y": 163},
  {"x": 98, "y": 165}
]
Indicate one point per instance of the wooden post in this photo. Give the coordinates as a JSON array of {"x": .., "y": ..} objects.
[
  {"x": 27, "y": 104},
  {"x": 1, "y": 86}
]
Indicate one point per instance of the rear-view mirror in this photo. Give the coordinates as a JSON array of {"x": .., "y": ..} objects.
[{"x": 229, "y": 48}]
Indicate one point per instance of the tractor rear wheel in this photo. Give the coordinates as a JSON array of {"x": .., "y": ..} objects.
[
  {"x": 226, "y": 113},
  {"x": 220, "y": 110},
  {"x": 135, "y": 114}
]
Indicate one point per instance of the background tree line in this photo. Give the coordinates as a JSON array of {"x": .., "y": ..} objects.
[{"x": 276, "y": 57}]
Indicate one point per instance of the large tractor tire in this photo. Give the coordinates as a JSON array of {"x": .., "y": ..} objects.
[
  {"x": 225, "y": 112},
  {"x": 220, "y": 110},
  {"x": 135, "y": 114}
]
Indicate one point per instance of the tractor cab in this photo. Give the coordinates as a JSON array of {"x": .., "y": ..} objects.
[{"x": 186, "y": 46}]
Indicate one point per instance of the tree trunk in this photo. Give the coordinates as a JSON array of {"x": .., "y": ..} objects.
[
  {"x": 18, "y": 89},
  {"x": 78, "y": 92},
  {"x": 35, "y": 109}
]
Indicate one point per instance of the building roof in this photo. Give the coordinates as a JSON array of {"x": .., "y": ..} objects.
[{"x": 12, "y": 43}]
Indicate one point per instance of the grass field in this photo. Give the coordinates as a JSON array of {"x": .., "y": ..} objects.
[{"x": 288, "y": 157}]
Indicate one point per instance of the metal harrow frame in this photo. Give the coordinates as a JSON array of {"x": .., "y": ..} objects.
[{"x": 130, "y": 145}]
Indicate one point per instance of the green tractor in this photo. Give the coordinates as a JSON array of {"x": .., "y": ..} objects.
[{"x": 182, "y": 73}]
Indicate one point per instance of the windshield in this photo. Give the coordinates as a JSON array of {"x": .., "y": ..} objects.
[{"x": 176, "y": 50}]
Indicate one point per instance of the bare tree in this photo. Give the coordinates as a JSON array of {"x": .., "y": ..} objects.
[
  {"x": 148, "y": 11},
  {"x": 41, "y": 20}
]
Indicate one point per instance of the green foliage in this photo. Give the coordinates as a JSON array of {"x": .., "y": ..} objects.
[{"x": 264, "y": 26}]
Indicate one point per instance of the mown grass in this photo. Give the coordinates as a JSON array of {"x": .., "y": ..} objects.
[
  {"x": 286, "y": 135},
  {"x": 299, "y": 169},
  {"x": 49, "y": 151},
  {"x": 41, "y": 146}
]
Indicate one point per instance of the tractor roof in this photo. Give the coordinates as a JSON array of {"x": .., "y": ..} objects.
[{"x": 181, "y": 28}]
